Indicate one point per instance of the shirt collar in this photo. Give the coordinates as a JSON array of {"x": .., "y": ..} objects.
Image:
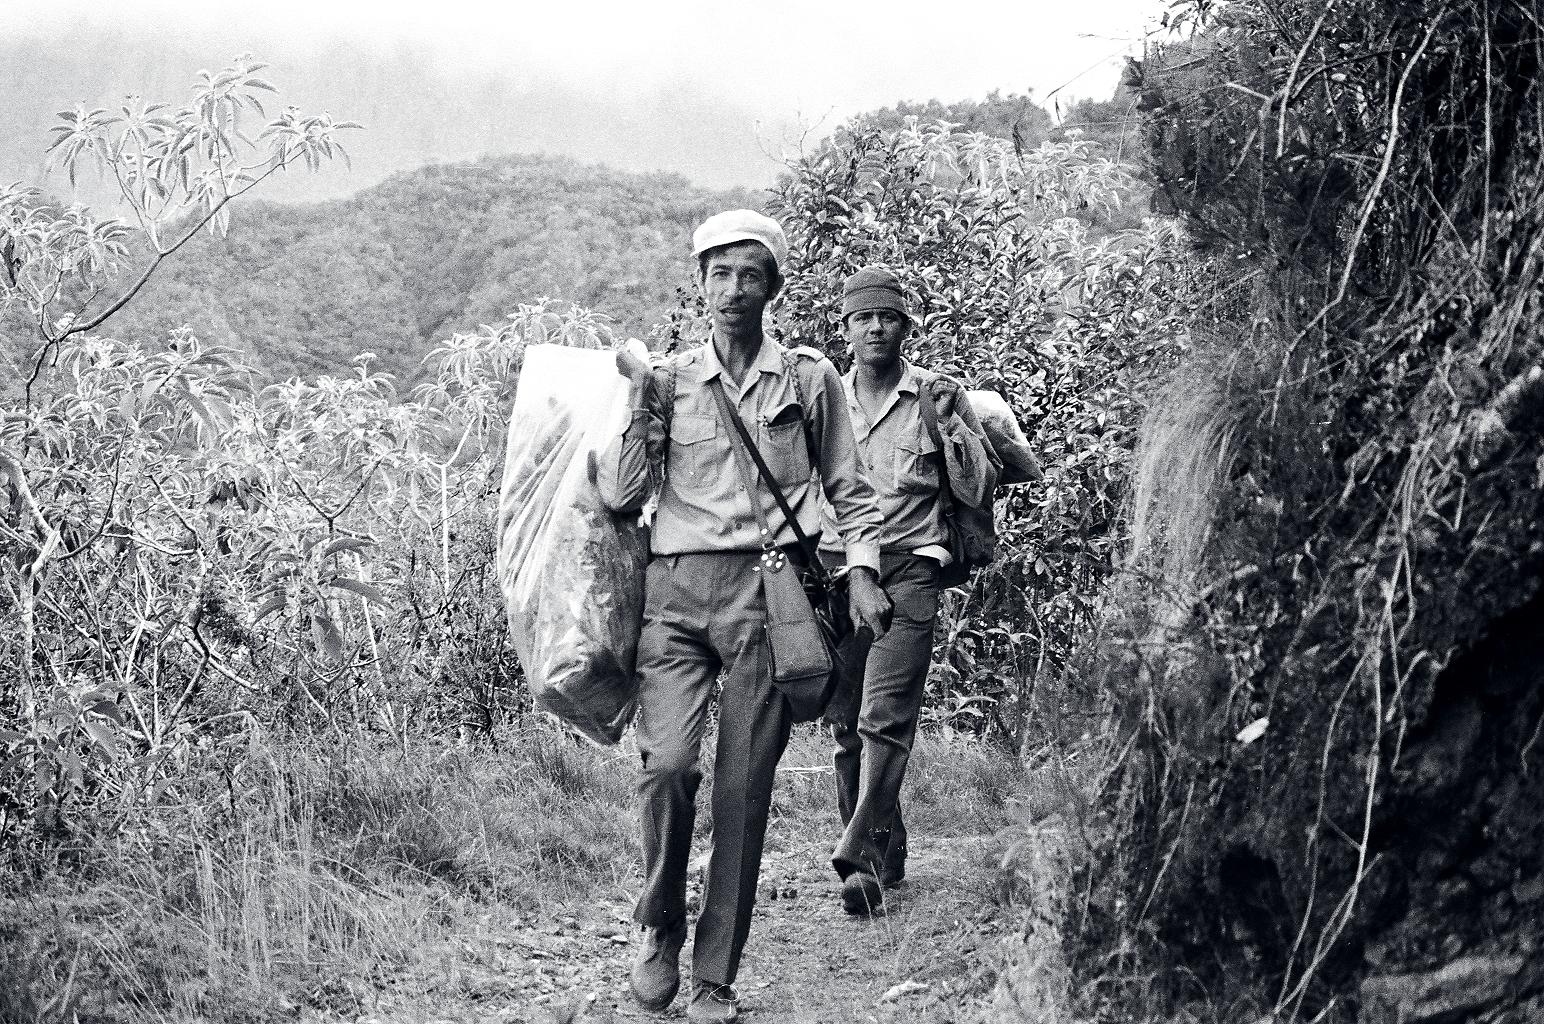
[
  {"x": 769, "y": 359},
  {"x": 908, "y": 384}
]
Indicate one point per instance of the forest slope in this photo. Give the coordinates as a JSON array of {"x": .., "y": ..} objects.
[{"x": 302, "y": 289}]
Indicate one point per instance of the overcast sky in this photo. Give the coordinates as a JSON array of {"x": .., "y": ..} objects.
[
  {"x": 805, "y": 56},
  {"x": 788, "y": 66}
]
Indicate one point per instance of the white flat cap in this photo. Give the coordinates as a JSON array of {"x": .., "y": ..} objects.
[{"x": 741, "y": 226}]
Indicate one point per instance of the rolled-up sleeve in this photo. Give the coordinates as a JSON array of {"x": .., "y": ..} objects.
[
  {"x": 851, "y": 496},
  {"x": 972, "y": 473}
]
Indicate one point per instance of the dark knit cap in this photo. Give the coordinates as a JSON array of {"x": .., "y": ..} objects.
[{"x": 873, "y": 288}]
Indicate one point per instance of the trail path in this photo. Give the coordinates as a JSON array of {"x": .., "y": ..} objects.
[{"x": 931, "y": 958}]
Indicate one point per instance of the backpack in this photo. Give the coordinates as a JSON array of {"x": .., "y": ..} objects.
[{"x": 972, "y": 531}]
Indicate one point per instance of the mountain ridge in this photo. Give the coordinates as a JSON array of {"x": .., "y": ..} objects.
[{"x": 303, "y": 288}]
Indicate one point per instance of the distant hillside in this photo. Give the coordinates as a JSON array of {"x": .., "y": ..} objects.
[{"x": 399, "y": 266}]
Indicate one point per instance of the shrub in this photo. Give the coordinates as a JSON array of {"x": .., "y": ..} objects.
[{"x": 1020, "y": 286}]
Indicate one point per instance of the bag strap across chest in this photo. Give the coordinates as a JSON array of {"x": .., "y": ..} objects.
[{"x": 745, "y": 449}]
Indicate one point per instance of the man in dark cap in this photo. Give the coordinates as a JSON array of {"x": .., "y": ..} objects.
[
  {"x": 705, "y": 609},
  {"x": 908, "y": 461}
]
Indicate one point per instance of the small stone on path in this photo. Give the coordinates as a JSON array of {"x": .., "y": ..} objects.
[{"x": 905, "y": 988}]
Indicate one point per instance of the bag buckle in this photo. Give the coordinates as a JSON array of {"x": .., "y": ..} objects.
[{"x": 773, "y": 559}]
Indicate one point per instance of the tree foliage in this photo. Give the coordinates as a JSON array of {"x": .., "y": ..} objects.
[
  {"x": 191, "y": 556},
  {"x": 177, "y": 170},
  {"x": 188, "y": 554},
  {"x": 1015, "y": 117},
  {"x": 1014, "y": 293}
]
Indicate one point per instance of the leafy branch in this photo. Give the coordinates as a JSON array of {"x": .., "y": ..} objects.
[{"x": 177, "y": 172}]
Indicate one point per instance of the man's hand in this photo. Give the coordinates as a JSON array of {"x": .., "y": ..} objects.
[
  {"x": 943, "y": 400},
  {"x": 870, "y": 604},
  {"x": 630, "y": 366},
  {"x": 638, "y": 375}
]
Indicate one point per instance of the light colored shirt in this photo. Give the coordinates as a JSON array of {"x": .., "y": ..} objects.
[
  {"x": 903, "y": 462},
  {"x": 703, "y": 503}
]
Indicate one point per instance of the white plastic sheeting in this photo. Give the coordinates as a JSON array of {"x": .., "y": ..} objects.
[{"x": 572, "y": 572}]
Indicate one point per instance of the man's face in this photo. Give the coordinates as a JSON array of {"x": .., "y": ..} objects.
[
  {"x": 875, "y": 336},
  {"x": 738, "y": 280}
]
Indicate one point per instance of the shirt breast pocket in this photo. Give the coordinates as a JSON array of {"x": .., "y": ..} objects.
[
  {"x": 916, "y": 464},
  {"x": 780, "y": 436},
  {"x": 692, "y": 463}
]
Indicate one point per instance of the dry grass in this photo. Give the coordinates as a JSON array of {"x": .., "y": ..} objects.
[
  {"x": 330, "y": 867},
  {"x": 310, "y": 870},
  {"x": 1181, "y": 467},
  {"x": 956, "y": 785}
]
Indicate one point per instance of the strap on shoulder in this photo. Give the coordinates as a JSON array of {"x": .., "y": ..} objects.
[
  {"x": 810, "y": 448},
  {"x": 926, "y": 403},
  {"x": 661, "y": 404},
  {"x": 667, "y": 395},
  {"x": 744, "y": 446}
]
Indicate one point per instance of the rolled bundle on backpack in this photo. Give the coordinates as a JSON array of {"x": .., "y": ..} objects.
[
  {"x": 1006, "y": 437},
  {"x": 571, "y": 571}
]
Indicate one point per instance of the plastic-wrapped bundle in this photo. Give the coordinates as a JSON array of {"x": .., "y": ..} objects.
[
  {"x": 1006, "y": 436},
  {"x": 571, "y": 571}
]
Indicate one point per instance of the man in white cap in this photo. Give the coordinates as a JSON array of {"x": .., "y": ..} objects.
[{"x": 705, "y": 611}]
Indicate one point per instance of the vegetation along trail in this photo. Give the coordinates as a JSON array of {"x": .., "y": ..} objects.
[
  {"x": 563, "y": 954},
  {"x": 496, "y": 884},
  {"x": 1242, "y": 725}
]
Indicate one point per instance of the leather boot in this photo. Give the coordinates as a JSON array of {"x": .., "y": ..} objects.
[
  {"x": 656, "y": 973},
  {"x": 861, "y": 894},
  {"x": 713, "y": 1004}
]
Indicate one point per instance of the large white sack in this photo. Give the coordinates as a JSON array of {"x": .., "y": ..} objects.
[
  {"x": 572, "y": 572},
  {"x": 1006, "y": 436}
]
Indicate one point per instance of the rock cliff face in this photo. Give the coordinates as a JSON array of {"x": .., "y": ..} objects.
[
  {"x": 1464, "y": 852},
  {"x": 1337, "y": 686}
]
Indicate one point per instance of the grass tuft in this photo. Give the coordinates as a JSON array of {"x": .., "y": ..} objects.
[{"x": 332, "y": 865}]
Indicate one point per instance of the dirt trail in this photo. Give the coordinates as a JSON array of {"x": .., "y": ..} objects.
[{"x": 932, "y": 957}]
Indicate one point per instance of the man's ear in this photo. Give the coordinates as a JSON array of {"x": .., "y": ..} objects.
[{"x": 777, "y": 288}]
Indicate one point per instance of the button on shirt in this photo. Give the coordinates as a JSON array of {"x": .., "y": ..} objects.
[
  {"x": 903, "y": 463},
  {"x": 703, "y": 503}
]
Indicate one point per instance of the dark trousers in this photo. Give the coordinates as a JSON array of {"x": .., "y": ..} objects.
[
  {"x": 875, "y": 722},
  {"x": 703, "y": 613}
]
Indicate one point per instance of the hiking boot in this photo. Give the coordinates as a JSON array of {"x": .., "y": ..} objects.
[
  {"x": 656, "y": 973},
  {"x": 893, "y": 880},
  {"x": 861, "y": 894},
  {"x": 713, "y": 1004}
]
